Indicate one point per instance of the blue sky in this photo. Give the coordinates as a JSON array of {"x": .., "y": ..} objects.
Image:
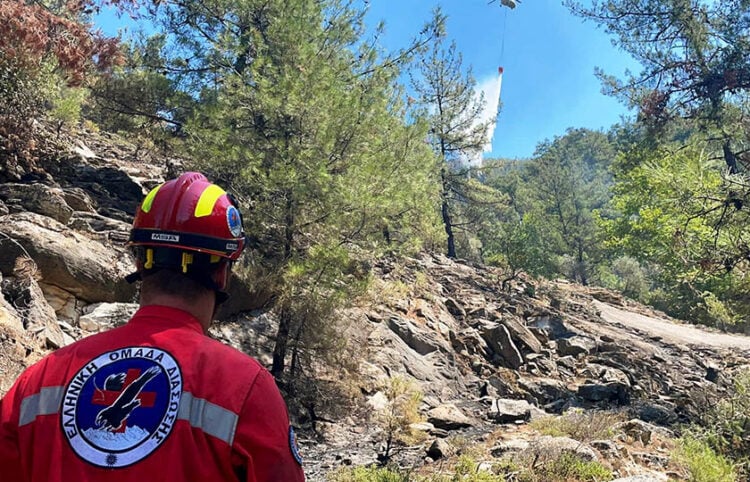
[{"x": 549, "y": 57}]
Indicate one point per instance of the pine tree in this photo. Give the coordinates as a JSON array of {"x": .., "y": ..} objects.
[{"x": 448, "y": 97}]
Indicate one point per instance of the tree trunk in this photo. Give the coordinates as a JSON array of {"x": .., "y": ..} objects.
[
  {"x": 729, "y": 157},
  {"x": 447, "y": 217},
  {"x": 280, "y": 345}
]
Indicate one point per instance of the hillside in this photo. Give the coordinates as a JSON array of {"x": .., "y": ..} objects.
[{"x": 489, "y": 364}]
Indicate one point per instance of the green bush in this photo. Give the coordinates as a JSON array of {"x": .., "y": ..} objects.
[
  {"x": 570, "y": 467},
  {"x": 726, "y": 422},
  {"x": 367, "y": 474},
  {"x": 702, "y": 462}
]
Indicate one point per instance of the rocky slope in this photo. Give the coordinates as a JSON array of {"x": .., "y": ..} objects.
[{"x": 490, "y": 364}]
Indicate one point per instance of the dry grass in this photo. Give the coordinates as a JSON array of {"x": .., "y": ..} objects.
[{"x": 584, "y": 426}]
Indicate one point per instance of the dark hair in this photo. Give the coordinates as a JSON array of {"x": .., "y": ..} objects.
[{"x": 173, "y": 283}]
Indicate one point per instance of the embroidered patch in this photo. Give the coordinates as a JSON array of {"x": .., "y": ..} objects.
[
  {"x": 122, "y": 405},
  {"x": 234, "y": 221},
  {"x": 293, "y": 446}
]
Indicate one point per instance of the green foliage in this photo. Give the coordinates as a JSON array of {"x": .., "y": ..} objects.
[
  {"x": 570, "y": 467},
  {"x": 725, "y": 423},
  {"x": 467, "y": 469},
  {"x": 139, "y": 97},
  {"x": 555, "y": 196},
  {"x": 400, "y": 412},
  {"x": 292, "y": 106},
  {"x": 20, "y": 103},
  {"x": 626, "y": 274},
  {"x": 663, "y": 214},
  {"x": 66, "y": 101},
  {"x": 368, "y": 474},
  {"x": 517, "y": 246},
  {"x": 703, "y": 464},
  {"x": 446, "y": 98}
]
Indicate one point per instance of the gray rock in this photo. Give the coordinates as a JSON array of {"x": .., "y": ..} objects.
[
  {"x": 655, "y": 413},
  {"x": 547, "y": 448},
  {"x": 509, "y": 411},
  {"x": 86, "y": 268},
  {"x": 652, "y": 460},
  {"x": 441, "y": 448},
  {"x": 86, "y": 221},
  {"x": 378, "y": 401},
  {"x": 545, "y": 390},
  {"x": 498, "y": 339},
  {"x": 608, "y": 448},
  {"x": 455, "y": 308},
  {"x": 39, "y": 199},
  {"x": 642, "y": 478},
  {"x": 552, "y": 325},
  {"x": 38, "y": 316},
  {"x": 448, "y": 417},
  {"x": 598, "y": 392},
  {"x": 421, "y": 341},
  {"x": 9, "y": 318},
  {"x": 103, "y": 316},
  {"x": 575, "y": 345},
  {"x": 636, "y": 430},
  {"x": 521, "y": 335},
  {"x": 509, "y": 447},
  {"x": 78, "y": 200}
]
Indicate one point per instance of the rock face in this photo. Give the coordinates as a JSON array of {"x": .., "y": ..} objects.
[
  {"x": 88, "y": 269},
  {"x": 37, "y": 198},
  {"x": 500, "y": 342}
]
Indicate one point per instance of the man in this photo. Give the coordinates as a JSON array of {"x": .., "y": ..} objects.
[{"x": 156, "y": 399}]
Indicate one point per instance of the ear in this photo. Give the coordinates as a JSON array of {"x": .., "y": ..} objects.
[{"x": 221, "y": 276}]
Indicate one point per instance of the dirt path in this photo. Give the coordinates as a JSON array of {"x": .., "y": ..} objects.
[{"x": 670, "y": 331}]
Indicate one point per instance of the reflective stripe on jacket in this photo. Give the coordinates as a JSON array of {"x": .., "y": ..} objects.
[{"x": 154, "y": 399}]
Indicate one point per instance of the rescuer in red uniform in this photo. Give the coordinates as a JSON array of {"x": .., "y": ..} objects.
[{"x": 156, "y": 399}]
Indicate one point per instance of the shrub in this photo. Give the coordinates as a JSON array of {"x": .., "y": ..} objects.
[
  {"x": 570, "y": 467},
  {"x": 725, "y": 423},
  {"x": 579, "y": 425},
  {"x": 401, "y": 411},
  {"x": 702, "y": 462},
  {"x": 367, "y": 474}
]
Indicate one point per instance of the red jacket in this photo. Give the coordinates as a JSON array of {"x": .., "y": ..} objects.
[{"x": 152, "y": 400}]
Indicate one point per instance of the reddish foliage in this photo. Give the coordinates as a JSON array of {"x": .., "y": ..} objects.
[{"x": 30, "y": 32}]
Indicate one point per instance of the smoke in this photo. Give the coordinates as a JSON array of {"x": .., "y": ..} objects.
[{"x": 489, "y": 88}]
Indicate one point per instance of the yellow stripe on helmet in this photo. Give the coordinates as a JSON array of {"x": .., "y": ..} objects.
[
  {"x": 149, "y": 200},
  {"x": 207, "y": 201}
]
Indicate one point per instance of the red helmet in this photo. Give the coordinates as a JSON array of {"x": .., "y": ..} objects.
[{"x": 189, "y": 214}]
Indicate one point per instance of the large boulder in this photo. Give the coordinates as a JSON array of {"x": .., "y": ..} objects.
[
  {"x": 88, "y": 269},
  {"x": 449, "y": 417},
  {"x": 38, "y": 198},
  {"x": 499, "y": 340},
  {"x": 105, "y": 316},
  {"x": 520, "y": 334},
  {"x": 547, "y": 448},
  {"x": 423, "y": 341},
  {"x": 576, "y": 345},
  {"x": 509, "y": 411}
]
